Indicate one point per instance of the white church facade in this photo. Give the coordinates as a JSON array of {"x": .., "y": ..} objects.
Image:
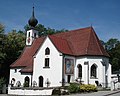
[{"x": 59, "y": 59}]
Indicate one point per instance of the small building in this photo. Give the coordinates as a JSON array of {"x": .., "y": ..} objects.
[{"x": 59, "y": 59}]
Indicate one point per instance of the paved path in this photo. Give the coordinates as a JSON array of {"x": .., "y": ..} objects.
[
  {"x": 3, "y": 95},
  {"x": 99, "y": 93}
]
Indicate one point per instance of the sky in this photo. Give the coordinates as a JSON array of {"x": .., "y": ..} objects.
[{"x": 102, "y": 15}]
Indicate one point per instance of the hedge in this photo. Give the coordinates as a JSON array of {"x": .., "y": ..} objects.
[{"x": 88, "y": 88}]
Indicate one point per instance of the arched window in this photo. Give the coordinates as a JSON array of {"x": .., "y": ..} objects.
[
  {"x": 79, "y": 70},
  {"x": 26, "y": 82},
  {"x": 94, "y": 71},
  {"x": 47, "y": 51}
]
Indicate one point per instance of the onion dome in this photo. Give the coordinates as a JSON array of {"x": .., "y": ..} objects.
[{"x": 32, "y": 21}]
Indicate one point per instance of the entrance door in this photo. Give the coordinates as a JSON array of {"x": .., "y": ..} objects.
[
  {"x": 41, "y": 81},
  {"x": 68, "y": 78}
]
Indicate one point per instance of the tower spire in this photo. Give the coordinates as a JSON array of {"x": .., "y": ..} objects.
[
  {"x": 33, "y": 12},
  {"x": 32, "y": 34},
  {"x": 33, "y": 21}
]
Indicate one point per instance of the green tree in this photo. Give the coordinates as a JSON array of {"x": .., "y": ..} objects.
[
  {"x": 2, "y": 52},
  {"x": 111, "y": 43},
  {"x": 15, "y": 43},
  {"x": 2, "y": 82},
  {"x": 113, "y": 48},
  {"x": 1, "y": 43},
  {"x": 13, "y": 46}
]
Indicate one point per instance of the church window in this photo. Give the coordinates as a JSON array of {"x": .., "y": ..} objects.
[
  {"x": 29, "y": 34},
  {"x": 46, "y": 62},
  {"x": 79, "y": 70},
  {"x": 47, "y": 51},
  {"x": 94, "y": 71}
]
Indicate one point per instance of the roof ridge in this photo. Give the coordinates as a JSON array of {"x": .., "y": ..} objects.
[
  {"x": 97, "y": 41},
  {"x": 71, "y": 31},
  {"x": 88, "y": 40}
]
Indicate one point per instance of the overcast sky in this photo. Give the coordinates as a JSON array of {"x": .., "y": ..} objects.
[{"x": 103, "y": 15}]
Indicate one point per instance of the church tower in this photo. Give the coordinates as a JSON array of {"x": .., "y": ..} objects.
[{"x": 31, "y": 33}]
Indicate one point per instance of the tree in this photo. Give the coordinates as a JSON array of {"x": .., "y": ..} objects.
[
  {"x": 13, "y": 46},
  {"x": 1, "y": 43},
  {"x": 113, "y": 48},
  {"x": 2, "y": 82},
  {"x": 15, "y": 43},
  {"x": 111, "y": 43},
  {"x": 2, "y": 52}
]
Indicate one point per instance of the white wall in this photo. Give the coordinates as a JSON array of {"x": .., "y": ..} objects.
[
  {"x": 54, "y": 73},
  {"x": 32, "y": 37},
  {"x": 30, "y": 92},
  {"x": 18, "y": 76},
  {"x": 100, "y": 69}
]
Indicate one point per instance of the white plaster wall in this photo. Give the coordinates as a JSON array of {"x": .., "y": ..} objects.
[
  {"x": 115, "y": 85},
  {"x": 54, "y": 73},
  {"x": 100, "y": 69},
  {"x": 31, "y": 36},
  {"x": 18, "y": 76},
  {"x": 109, "y": 75}
]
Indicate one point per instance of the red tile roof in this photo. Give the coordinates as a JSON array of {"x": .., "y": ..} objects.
[
  {"x": 82, "y": 42},
  {"x": 61, "y": 44},
  {"x": 76, "y": 42}
]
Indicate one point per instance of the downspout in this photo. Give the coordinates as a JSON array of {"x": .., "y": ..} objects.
[
  {"x": 88, "y": 72},
  {"x": 63, "y": 80}
]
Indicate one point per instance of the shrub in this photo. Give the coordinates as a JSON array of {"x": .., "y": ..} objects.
[
  {"x": 56, "y": 91},
  {"x": 2, "y": 82},
  {"x": 74, "y": 88},
  {"x": 60, "y": 91},
  {"x": 88, "y": 88}
]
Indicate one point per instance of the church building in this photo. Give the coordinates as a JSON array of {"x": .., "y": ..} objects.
[{"x": 62, "y": 58}]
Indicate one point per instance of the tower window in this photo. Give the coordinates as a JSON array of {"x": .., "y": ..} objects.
[
  {"x": 46, "y": 63},
  {"x": 29, "y": 34},
  {"x": 47, "y": 51},
  {"x": 35, "y": 35}
]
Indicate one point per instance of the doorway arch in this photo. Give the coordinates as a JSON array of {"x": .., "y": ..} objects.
[{"x": 41, "y": 81}]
